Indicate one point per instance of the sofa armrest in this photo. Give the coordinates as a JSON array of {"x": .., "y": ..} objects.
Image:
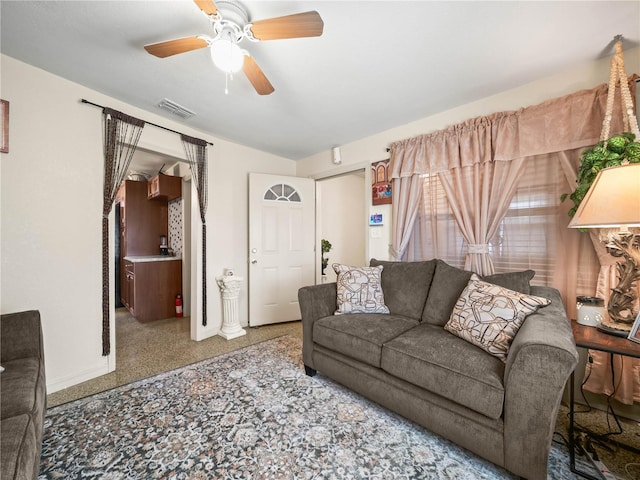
[
  {"x": 20, "y": 335},
  {"x": 316, "y": 301},
  {"x": 541, "y": 358}
]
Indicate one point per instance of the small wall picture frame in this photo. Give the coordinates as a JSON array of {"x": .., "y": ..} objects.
[
  {"x": 381, "y": 193},
  {"x": 634, "y": 334},
  {"x": 376, "y": 219},
  {"x": 4, "y": 126}
]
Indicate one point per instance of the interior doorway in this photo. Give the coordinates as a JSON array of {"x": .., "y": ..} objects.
[
  {"x": 144, "y": 166},
  {"x": 341, "y": 219}
]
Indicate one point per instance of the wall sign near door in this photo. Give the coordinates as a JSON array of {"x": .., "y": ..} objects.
[{"x": 4, "y": 126}]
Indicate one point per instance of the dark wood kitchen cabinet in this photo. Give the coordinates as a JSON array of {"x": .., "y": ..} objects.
[
  {"x": 151, "y": 288},
  {"x": 142, "y": 222},
  {"x": 127, "y": 290},
  {"x": 164, "y": 187}
]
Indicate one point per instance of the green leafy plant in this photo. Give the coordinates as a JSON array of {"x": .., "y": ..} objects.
[
  {"x": 611, "y": 153},
  {"x": 326, "y": 248}
]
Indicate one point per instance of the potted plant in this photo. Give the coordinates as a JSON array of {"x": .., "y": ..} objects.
[
  {"x": 610, "y": 153},
  {"x": 326, "y": 247}
]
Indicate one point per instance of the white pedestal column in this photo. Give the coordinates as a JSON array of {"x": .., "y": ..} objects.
[{"x": 230, "y": 289}]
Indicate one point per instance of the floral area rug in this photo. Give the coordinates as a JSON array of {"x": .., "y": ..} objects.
[{"x": 249, "y": 414}]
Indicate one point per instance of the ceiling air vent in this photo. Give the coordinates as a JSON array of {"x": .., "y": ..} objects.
[{"x": 176, "y": 109}]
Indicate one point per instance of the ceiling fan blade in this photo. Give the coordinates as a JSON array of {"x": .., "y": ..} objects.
[
  {"x": 256, "y": 76},
  {"x": 207, "y": 6},
  {"x": 307, "y": 24},
  {"x": 173, "y": 47}
]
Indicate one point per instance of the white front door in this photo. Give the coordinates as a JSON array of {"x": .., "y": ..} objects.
[{"x": 281, "y": 245}]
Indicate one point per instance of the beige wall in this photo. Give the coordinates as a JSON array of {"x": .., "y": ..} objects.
[
  {"x": 343, "y": 221},
  {"x": 51, "y": 202},
  {"x": 372, "y": 149}
]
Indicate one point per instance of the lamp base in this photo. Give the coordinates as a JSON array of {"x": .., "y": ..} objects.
[{"x": 617, "y": 329}]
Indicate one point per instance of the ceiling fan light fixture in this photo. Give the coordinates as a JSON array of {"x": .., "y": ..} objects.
[
  {"x": 227, "y": 55},
  {"x": 230, "y": 24}
]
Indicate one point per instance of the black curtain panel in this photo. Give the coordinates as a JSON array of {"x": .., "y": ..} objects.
[
  {"x": 196, "y": 152},
  {"x": 121, "y": 134}
]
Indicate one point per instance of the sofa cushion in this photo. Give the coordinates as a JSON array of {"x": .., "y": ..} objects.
[
  {"x": 489, "y": 316},
  {"x": 19, "y": 448},
  {"x": 405, "y": 285},
  {"x": 360, "y": 336},
  {"x": 359, "y": 289},
  {"x": 22, "y": 387},
  {"x": 518, "y": 281},
  {"x": 449, "y": 282},
  {"x": 447, "y": 285},
  {"x": 431, "y": 358}
]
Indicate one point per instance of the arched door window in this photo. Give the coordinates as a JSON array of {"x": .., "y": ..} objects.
[{"x": 282, "y": 192}]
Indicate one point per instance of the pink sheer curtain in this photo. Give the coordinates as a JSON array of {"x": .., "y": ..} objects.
[
  {"x": 408, "y": 192},
  {"x": 479, "y": 197},
  {"x": 624, "y": 384},
  {"x": 533, "y": 233}
]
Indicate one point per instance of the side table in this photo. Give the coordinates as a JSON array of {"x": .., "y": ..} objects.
[{"x": 594, "y": 339}]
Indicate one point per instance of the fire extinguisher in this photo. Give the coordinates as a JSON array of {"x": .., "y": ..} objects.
[{"x": 179, "y": 306}]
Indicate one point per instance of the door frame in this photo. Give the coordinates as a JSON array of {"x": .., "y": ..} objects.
[
  {"x": 193, "y": 214},
  {"x": 338, "y": 172}
]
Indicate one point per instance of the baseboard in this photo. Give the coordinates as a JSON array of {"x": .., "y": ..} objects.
[{"x": 57, "y": 384}]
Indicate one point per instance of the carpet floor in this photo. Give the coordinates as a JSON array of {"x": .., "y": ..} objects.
[{"x": 250, "y": 414}]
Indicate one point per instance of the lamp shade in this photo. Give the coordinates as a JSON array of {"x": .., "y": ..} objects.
[{"x": 613, "y": 199}]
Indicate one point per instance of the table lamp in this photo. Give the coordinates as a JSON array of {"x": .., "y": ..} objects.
[{"x": 613, "y": 201}]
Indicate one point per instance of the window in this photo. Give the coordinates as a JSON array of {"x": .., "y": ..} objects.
[
  {"x": 532, "y": 234},
  {"x": 283, "y": 193}
]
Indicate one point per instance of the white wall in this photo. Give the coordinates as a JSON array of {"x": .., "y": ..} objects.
[
  {"x": 51, "y": 199},
  {"x": 341, "y": 203},
  {"x": 372, "y": 149}
]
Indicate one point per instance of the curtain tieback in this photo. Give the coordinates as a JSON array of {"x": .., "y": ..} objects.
[
  {"x": 478, "y": 248},
  {"x": 395, "y": 254}
]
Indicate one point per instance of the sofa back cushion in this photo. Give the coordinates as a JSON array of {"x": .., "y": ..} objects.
[
  {"x": 447, "y": 285},
  {"x": 449, "y": 282},
  {"x": 406, "y": 285},
  {"x": 518, "y": 281}
]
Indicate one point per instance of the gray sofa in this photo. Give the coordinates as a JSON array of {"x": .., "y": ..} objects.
[
  {"x": 23, "y": 395},
  {"x": 406, "y": 361}
]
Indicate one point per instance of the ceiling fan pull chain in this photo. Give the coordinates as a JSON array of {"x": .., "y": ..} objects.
[{"x": 226, "y": 83}]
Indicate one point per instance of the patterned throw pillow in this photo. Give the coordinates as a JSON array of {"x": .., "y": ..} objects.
[
  {"x": 489, "y": 316},
  {"x": 359, "y": 289}
]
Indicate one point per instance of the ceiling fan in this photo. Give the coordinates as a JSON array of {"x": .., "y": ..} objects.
[{"x": 231, "y": 25}]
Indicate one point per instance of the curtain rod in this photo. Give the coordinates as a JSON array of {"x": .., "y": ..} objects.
[{"x": 155, "y": 125}]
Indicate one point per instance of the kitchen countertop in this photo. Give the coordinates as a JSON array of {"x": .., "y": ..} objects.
[{"x": 150, "y": 258}]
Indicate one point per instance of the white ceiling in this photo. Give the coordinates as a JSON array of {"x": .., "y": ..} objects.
[{"x": 377, "y": 65}]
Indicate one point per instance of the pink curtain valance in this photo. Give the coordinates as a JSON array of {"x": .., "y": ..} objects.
[{"x": 563, "y": 123}]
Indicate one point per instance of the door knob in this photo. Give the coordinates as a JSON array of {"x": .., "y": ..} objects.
[{"x": 253, "y": 262}]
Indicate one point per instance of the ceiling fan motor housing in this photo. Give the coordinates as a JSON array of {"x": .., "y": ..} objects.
[{"x": 231, "y": 17}]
